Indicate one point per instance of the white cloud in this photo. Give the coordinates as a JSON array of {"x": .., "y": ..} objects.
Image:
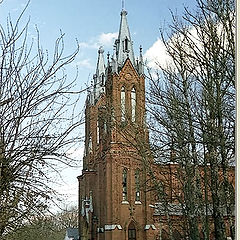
[
  {"x": 89, "y": 44},
  {"x": 84, "y": 63},
  {"x": 104, "y": 39},
  {"x": 156, "y": 55},
  {"x": 107, "y": 39}
]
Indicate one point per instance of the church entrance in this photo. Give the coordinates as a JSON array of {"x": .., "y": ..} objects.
[{"x": 131, "y": 231}]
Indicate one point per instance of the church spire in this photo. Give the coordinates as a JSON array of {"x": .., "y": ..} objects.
[
  {"x": 124, "y": 47},
  {"x": 99, "y": 76}
]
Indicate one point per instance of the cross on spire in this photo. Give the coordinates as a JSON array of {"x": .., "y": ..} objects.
[{"x": 123, "y": 2}]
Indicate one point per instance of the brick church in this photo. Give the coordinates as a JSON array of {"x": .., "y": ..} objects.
[
  {"x": 112, "y": 204},
  {"x": 114, "y": 198}
]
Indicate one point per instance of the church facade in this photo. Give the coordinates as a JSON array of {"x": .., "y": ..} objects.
[{"x": 112, "y": 202}]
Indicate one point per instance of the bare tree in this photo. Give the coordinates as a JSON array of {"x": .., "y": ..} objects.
[
  {"x": 38, "y": 117},
  {"x": 49, "y": 227},
  {"x": 192, "y": 111}
]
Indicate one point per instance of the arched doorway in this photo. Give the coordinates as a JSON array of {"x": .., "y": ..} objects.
[{"x": 131, "y": 232}]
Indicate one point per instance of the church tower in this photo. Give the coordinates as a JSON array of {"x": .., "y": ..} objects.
[{"x": 113, "y": 201}]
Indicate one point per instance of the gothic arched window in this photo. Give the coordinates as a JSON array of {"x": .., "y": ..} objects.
[
  {"x": 123, "y": 104},
  {"x": 126, "y": 44},
  {"x": 98, "y": 132},
  {"x": 102, "y": 80},
  {"x": 132, "y": 232},
  {"x": 124, "y": 184},
  {"x": 137, "y": 185},
  {"x": 133, "y": 104},
  {"x": 90, "y": 145},
  {"x": 105, "y": 126}
]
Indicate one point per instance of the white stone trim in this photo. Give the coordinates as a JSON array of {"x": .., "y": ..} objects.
[
  {"x": 100, "y": 230},
  {"x": 148, "y": 226},
  {"x": 138, "y": 202},
  {"x": 112, "y": 227},
  {"x": 125, "y": 202}
]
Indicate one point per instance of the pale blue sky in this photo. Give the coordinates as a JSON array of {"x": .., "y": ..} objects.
[
  {"x": 93, "y": 23},
  {"x": 88, "y": 20}
]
